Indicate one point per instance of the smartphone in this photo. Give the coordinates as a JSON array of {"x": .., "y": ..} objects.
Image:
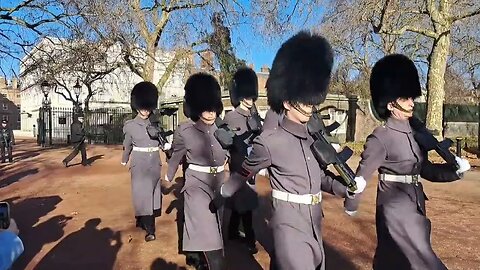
[{"x": 4, "y": 215}]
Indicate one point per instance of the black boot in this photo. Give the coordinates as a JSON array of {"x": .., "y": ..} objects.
[
  {"x": 196, "y": 260},
  {"x": 215, "y": 259},
  {"x": 233, "y": 226},
  {"x": 138, "y": 222},
  {"x": 149, "y": 226},
  {"x": 247, "y": 221}
]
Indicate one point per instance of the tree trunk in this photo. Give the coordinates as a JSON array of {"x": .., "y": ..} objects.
[
  {"x": 149, "y": 64},
  {"x": 86, "y": 105},
  {"x": 436, "y": 82},
  {"x": 172, "y": 65}
]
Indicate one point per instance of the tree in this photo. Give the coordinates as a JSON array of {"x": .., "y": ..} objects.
[
  {"x": 22, "y": 23},
  {"x": 146, "y": 30},
  {"x": 434, "y": 20},
  {"x": 221, "y": 45},
  {"x": 64, "y": 61}
]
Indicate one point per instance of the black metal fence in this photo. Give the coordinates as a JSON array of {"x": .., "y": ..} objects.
[
  {"x": 102, "y": 126},
  {"x": 105, "y": 126},
  {"x": 451, "y": 112}
]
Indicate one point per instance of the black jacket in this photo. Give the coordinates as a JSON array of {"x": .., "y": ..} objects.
[
  {"x": 77, "y": 132},
  {"x": 6, "y": 135}
]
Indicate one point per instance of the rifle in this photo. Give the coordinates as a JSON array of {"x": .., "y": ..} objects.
[
  {"x": 428, "y": 142},
  {"x": 155, "y": 131},
  {"x": 325, "y": 154},
  {"x": 254, "y": 122}
]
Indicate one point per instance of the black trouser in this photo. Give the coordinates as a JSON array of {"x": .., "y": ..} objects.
[
  {"x": 80, "y": 147},
  {"x": 147, "y": 223},
  {"x": 247, "y": 222},
  {"x": 6, "y": 148},
  {"x": 207, "y": 260}
]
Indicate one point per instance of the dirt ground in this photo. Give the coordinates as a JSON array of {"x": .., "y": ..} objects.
[{"x": 82, "y": 218}]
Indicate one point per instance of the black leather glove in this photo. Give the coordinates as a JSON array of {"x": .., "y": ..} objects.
[
  {"x": 254, "y": 125},
  {"x": 169, "y": 153},
  {"x": 224, "y": 137},
  {"x": 217, "y": 202}
]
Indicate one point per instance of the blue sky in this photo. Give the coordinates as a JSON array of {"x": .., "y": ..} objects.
[{"x": 248, "y": 44}]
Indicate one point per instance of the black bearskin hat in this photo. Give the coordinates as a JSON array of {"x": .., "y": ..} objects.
[
  {"x": 202, "y": 94},
  {"x": 394, "y": 76},
  {"x": 300, "y": 71},
  {"x": 144, "y": 96},
  {"x": 244, "y": 85},
  {"x": 186, "y": 110}
]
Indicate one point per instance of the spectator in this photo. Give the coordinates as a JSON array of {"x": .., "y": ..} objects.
[{"x": 11, "y": 245}]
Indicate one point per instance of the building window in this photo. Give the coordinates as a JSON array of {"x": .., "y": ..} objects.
[
  {"x": 5, "y": 106},
  {"x": 19, "y": 118},
  {"x": 18, "y": 95},
  {"x": 5, "y": 118}
]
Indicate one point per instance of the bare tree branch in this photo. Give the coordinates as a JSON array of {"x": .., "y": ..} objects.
[{"x": 465, "y": 15}]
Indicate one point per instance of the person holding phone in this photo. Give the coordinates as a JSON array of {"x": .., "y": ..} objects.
[{"x": 11, "y": 246}]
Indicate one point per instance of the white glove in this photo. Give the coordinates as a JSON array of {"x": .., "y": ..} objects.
[
  {"x": 263, "y": 172},
  {"x": 351, "y": 213},
  {"x": 361, "y": 184},
  {"x": 336, "y": 146},
  {"x": 124, "y": 163},
  {"x": 167, "y": 146},
  {"x": 463, "y": 165}
]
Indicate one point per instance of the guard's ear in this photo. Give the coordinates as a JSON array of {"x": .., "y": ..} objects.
[{"x": 287, "y": 106}]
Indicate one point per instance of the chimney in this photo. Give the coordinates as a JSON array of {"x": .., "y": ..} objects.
[
  {"x": 265, "y": 69},
  {"x": 14, "y": 83},
  {"x": 207, "y": 60},
  {"x": 191, "y": 60},
  {"x": 3, "y": 82}
]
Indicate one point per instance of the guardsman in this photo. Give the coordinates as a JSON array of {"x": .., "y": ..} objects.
[
  {"x": 243, "y": 94},
  {"x": 142, "y": 148},
  {"x": 7, "y": 140},
  {"x": 299, "y": 80},
  {"x": 206, "y": 159},
  {"x": 403, "y": 230}
]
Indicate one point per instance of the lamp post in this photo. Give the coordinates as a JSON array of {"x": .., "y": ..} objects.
[
  {"x": 46, "y": 111},
  {"x": 77, "y": 89}
]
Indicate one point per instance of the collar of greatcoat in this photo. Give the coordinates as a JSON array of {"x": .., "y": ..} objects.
[
  {"x": 200, "y": 125},
  {"x": 399, "y": 125},
  {"x": 141, "y": 121},
  {"x": 242, "y": 111},
  {"x": 296, "y": 129}
]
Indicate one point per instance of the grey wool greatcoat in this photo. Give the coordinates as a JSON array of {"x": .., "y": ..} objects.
[
  {"x": 272, "y": 119},
  {"x": 403, "y": 230},
  {"x": 246, "y": 198},
  {"x": 297, "y": 228},
  {"x": 202, "y": 228},
  {"x": 145, "y": 168}
]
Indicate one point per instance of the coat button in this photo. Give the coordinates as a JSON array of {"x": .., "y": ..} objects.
[
  {"x": 211, "y": 145},
  {"x": 308, "y": 158}
]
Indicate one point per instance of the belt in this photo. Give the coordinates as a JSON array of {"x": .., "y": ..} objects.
[
  {"x": 206, "y": 169},
  {"x": 406, "y": 179},
  {"x": 146, "y": 149},
  {"x": 295, "y": 198}
]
